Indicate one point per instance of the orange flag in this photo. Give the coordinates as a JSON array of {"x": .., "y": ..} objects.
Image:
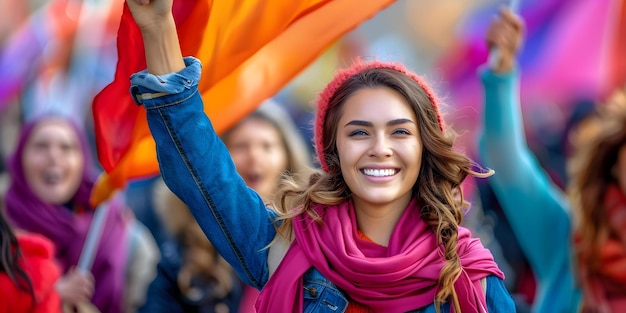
[{"x": 250, "y": 49}]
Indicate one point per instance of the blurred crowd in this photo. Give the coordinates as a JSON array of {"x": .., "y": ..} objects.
[{"x": 150, "y": 255}]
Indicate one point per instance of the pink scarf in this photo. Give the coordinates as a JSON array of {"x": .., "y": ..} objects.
[{"x": 397, "y": 278}]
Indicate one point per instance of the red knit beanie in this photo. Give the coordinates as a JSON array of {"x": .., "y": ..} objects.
[{"x": 340, "y": 78}]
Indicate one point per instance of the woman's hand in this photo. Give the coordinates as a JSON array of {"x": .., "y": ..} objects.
[
  {"x": 75, "y": 287},
  {"x": 150, "y": 13},
  {"x": 505, "y": 34},
  {"x": 160, "y": 39}
]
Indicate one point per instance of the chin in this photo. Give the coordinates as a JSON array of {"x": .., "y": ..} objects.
[
  {"x": 381, "y": 197},
  {"x": 374, "y": 199},
  {"x": 56, "y": 199}
]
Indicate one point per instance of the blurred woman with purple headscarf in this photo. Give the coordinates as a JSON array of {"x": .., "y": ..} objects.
[{"x": 52, "y": 174}]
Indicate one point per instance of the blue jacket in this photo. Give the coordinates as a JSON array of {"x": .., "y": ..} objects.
[
  {"x": 536, "y": 208},
  {"x": 197, "y": 167}
]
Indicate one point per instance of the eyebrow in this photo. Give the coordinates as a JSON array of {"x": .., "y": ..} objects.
[{"x": 370, "y": 124}]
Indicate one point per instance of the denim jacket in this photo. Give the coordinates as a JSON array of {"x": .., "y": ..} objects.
[{"x": 197, "y": 167}]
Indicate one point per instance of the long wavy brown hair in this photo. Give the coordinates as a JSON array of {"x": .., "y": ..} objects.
[
  {"x": 438, "y": 186},
  {"x": 592, "y": 169}
]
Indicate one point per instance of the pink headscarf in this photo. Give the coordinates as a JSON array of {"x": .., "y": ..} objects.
[{"x": 397, "y": 278}]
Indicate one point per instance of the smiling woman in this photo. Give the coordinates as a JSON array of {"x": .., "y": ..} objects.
[
  {"x": 53, "y": 161},
  {"x": 51, "y": 178},
  {"x": 380, "y": 152},
  {"x": 265, "y": 146},
  {"x": 377, "y": 229}
]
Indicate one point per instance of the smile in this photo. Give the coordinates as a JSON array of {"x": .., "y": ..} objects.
[
  {"x": 379, "y": 172},
  {"x": 51, "y": 177}
]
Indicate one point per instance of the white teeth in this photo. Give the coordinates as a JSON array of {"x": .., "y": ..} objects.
[{"x": 379, "y": 173}]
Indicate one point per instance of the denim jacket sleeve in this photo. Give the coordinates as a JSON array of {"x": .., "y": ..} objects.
[{"x": 197, "y": 167}]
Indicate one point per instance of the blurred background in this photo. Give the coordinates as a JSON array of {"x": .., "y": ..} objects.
[
  {"x": 51, "y": 57},
  {"x": 574, "y": 55}
]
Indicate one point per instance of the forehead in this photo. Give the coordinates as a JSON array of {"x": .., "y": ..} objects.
[
  {"x": 254, "y": 127},
  {"x": 53, "y": 129},
  {"x": 379, "y": 103}
]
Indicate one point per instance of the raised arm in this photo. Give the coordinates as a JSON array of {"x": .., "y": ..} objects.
[
  {"x": 160, "y": 40},
  {"x": 536, "y": 208},
  {"x": 193, "y": 160}
]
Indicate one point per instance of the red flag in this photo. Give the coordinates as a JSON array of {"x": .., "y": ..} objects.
[
  {"x": 249, "y": 50},
  {"x": 617, "y": 57}
]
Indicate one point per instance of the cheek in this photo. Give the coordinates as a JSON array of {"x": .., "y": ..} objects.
[
  {"x": 239, "y": 159},
  {"x": 279, "y": 161},
  {"x": 74, "y": 165},
  {"x": 412, "y": 156},
  {"x": 32, "y": 165},
  {"x": 350, "y": 154},
  {"x": 77, "y": 164},
  {"x": 418, "y": 157},
  {"x": 343, "y": 151}
]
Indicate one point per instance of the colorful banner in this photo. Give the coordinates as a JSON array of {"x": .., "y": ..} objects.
[{"x": 249, "y": 51}]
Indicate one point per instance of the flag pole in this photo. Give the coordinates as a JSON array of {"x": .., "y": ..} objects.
[{"x": 90, "y": 246}]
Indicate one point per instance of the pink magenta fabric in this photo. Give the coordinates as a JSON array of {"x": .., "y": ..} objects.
[{"x": 397, "y": 278}]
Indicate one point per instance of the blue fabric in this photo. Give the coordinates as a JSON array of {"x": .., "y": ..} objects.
[
  {"x": 164, "y": 295},
  {"x": 197, "y": 167},
  {"x": 139, "y": 200},
  {"x": 537, "y": 209}
]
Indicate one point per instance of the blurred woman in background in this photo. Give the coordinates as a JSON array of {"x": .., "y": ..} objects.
[
  {"x": 588, "y": 272},
  {"x": 192, "y": 277},
  {"x": 264, "y": 146},
  {"x": 51, "y": 177}
]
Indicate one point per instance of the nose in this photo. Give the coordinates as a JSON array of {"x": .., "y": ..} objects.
[
  {"x": 381, "y": 147},
  {"x": 53, "y": 154},
  {"x": 255, "y": 153}
]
